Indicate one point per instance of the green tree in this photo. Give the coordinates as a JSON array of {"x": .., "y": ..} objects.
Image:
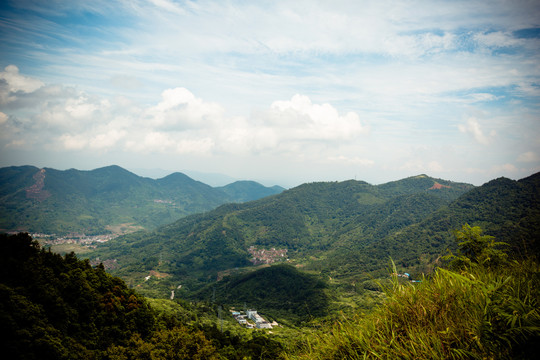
[{"x": 476, "y": 249}]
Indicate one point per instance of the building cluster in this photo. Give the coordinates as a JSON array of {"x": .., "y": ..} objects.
[
  {"x": 404, "y": 275},
  {"x": 266, "y": 256},
  {"x": 407, "y": 276},
  {"x": 77, "y": 239},
  {"x": 160, "y": 201},
  {"x": 257, "y": 321}
]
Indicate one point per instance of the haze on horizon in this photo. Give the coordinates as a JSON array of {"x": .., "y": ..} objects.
[{"x": 279, "y": 92}]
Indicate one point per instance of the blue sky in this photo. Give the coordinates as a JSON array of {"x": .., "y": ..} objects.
[{"x": 283, "y": 92}]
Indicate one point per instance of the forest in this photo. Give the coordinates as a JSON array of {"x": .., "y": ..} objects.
[
  {"x": 95, "y": 202},
  {"x": 482, "y": 304},
  {"x": 408, "y": 269},
  {"x": 343, "y": 231},
  {"x": 59, "y": 307}
]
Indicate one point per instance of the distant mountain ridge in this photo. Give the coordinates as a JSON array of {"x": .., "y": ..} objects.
[
  {"x": 346, "y": 230},
  {"x": 53, "y": 201},
  {"x": 317, "y": 223},
  {"x": 244, "y": 190},
  {"x": 506, "y": 209}
]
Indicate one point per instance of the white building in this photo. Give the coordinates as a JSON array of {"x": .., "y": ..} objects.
[{"x": 251, "y": 314}]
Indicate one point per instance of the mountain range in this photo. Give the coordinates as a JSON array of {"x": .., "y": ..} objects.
[
  {"x": 93, "y": 202},
  {"x": 194, "y": 234},
  {"x": 345, "y": 231}
]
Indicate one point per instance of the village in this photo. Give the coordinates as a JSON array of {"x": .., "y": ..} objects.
[
  {"x": 81, "y": 239},
  {"x": 266, "y": 256},
  {"x": 250, "y": 319}
]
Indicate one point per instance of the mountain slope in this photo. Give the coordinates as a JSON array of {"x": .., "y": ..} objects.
[
  {"x": 54, "y": 307},
  {"x": 249, "y": 190},
  {"x": 278, "y": 289},
  {"x": 309, "y": 222},
  {"x": 504, "y": 208},
  {"x": 53, "y": 201}
]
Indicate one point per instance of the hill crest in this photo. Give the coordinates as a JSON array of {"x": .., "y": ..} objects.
[{"x": 89, "y": 201}]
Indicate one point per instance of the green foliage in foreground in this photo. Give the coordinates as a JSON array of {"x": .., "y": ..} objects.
[
  {"x": 477, "y": 312},
  {"x": 54, "y": 307}
]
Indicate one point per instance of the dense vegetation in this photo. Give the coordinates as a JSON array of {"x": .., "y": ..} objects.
[
  {"x": 59, "y": 307},
  {"x": 504, "y": 208},
  {"x": 54, "y": 307},
  {"x": 280, "y": 291},
  {"x": 59, "y": 202},
  {"x": 479, "y": 301},
  {"x": 482, "y": 305},
  {"x": 344, "y": 231},
  {"x": 485, "y": 308}
]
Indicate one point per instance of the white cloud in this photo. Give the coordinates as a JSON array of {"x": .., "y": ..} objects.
[
  {"x": 498, "y": 39},
  {"x": 169, "y": 6},
  {"x": 181, "y": 123},
  {"x": 80, "y": 108},
  {"x": 181, "y": 110},
  {"x": 107, "y": 140},
  {"x": 13, "y": 84},
  {"x": 73, "y": 142},
  {"x": 17, "y": 82},
  {"x": 528, "y": 157},
  {"x": 473, "y": 127},
  {"x": 300, "y": 119},
  {"x": 169, "y": 143},
  {"x": 477, "y": 97}
]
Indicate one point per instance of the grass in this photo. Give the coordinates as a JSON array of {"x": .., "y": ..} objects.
[{"x": 475, "y": 314}]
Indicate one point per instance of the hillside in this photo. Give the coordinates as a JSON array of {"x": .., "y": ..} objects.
[
  {"x": 243, "y": 191},
  {"x": 504, "y": 208},
  {"x": 58, "y": 307},
  {"x": 310, "y": 225},
  {"x": 482, "y": 306},
  {"x": 279, "y": 290},
  {"x": 90, "y": 202},
  {"x": 55, "y": 307}
]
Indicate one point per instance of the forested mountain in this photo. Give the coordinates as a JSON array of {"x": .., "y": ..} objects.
[
  {"x": 279, "y": 289},
  {"x": 59, "y": 307},
  {"x": 55, "y": 307},
  {"x": 243, "y": 191},
  {"x": 312, "y": 225},
  {"x": 59, "y": 202},
  {"x": 504, "y": 208},
  {"x": 329, "y": 241}
]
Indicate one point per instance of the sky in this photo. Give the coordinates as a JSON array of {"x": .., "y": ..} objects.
[{"x": 281, "y": 92}]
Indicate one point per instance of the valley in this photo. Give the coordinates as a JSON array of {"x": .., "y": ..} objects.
[{"x": 305, "y": 258}]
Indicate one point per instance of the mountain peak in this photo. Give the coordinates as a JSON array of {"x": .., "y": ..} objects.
[{"x": 247, "y": 190}]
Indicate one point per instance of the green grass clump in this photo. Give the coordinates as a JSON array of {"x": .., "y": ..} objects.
[{"x": 476, "y": 313}]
